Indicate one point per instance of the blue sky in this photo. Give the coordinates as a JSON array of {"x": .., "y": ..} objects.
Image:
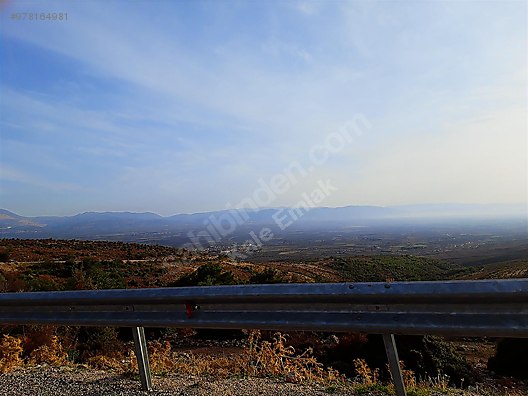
[{"x": 183, "y": 106}]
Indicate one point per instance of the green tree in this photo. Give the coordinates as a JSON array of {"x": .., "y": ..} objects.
[
  {"x": 207, "y": 275},
  {"x": 268, "y": 276},
  {"x": 4, "y": 256}
]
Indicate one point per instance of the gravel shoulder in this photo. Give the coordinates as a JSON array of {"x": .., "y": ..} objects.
[{"x": 49, "y": 381}]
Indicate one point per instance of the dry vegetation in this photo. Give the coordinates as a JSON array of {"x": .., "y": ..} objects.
[
  {"x": 259, "y": 358},
  {"x": 31, "y": 265}
]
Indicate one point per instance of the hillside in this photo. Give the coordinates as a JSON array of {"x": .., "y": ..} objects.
[
  {"x": 33, "y": 250},
  {"x": 52, "y": 264},
  {"x": 10, "y": 220},
  {"x": 45, "y": 265},
  {"x": 504, "y": 270}
]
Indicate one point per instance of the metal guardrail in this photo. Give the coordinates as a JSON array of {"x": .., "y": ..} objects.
[{"x": 497, "y": 308}]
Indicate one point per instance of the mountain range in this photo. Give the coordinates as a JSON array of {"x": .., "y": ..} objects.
[{"x": 98, "y": 225}]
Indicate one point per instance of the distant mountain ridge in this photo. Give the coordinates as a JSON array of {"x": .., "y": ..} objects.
[
  {"x": 10, "y": 219},
  {"x": 100, "y": 224}
]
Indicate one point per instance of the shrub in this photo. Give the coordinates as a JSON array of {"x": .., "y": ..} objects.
[
  {"x": 3, "y": 283},
  {"x": 276, "y": 358},
  {"x": 51, "y": 353},
  {"x": 364, "y": 374},
  {"x": 79, "y": 280},
  {"x": 5, "y": 256},
  {"x": 95, "y": 341},
  {"x": 42, "y": 283},
  {"x": 207, "y": 275},
  {"x": 102, "y": 362},
  {"x": 430, "y": 355},
  {"x": 14, "y": 282},
  {"x": 511, "y": 358},
  {"x": 424, "y": 355},
  {"x": 92, "y": 274},
  {"x": 268, "y": 276},
  {"x": 161, "y": 356},
  {"x": 37, "y": 336},
  {"x": 10, "y": 353}
]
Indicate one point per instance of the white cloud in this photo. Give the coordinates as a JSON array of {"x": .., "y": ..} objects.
[
  {"x": 11, "y": 174},
  {"x": 190, "y": 111},
  {"x": 307, "y": 7}
]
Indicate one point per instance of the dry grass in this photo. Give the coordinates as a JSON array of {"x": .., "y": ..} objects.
[
  {"x": 51, "y": 353},
  {"x": 365, "y": 375},
  {"x": 260, "y": 358},
  {"x": 409, "y": 376},
  {"x": 441, "y": 381},
  {"x": 10, "y": 353},
  {"x": 102, "y": 362},
  {"x": 275, "y": 358}
]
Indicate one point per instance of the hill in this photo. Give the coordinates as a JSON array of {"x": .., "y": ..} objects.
[
  {"x": 10, "y": 220},
  {"x": 504, "y": 270},
  {"x": 42, "y": 265},
  {"x": 150, "y": 227},
  {"x": 47, "y": 264}
]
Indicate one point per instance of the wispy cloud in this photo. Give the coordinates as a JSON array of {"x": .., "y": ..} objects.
[
  {"x": 212, "y": 97},
  {"x": 14, "y": 175}
]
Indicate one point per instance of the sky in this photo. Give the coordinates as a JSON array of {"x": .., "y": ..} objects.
[{"x": 191, "y": 106}]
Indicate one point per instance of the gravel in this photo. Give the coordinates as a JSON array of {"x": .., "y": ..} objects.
[{"x": 50, "y": 381}]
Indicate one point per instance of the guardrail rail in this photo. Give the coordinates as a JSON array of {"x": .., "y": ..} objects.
[{"x": 495, "y": 308}]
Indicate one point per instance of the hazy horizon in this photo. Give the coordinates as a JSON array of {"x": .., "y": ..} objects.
[
  {"x": 278, "y": 102},
  {"x": 511, "y": 208}
]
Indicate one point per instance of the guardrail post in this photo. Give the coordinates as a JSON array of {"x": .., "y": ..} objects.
[
  {"x": 142, "y": 357},
  {"x": 394, "y": 364}
]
